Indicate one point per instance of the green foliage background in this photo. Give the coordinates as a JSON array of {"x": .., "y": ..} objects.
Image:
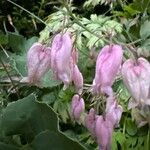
[{"x": 38, "y": 118}]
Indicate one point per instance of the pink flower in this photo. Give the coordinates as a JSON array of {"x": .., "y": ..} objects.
[
  {"x": 136, "y": 77},
  {"x": 101, "y": 127},
  {"x": 60, "y": 57},
  {"x": 64, "y": 62},
  {"x": 103, "y": 130},
  {"x": 107, "y": 66},
  {"x": 38, "y": 62},
  {"x": 90, "y": 121},
  {"x": 77, "y": 79},
  {"x": 77, "y": 107}
]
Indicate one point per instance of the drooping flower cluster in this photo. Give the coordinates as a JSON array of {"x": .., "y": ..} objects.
[
  {"x": 107, "y": 66},
  {"x": 61, "y": 58},
  {"x": 38, "y": 62},
  {"x": 64, "y": 62},
  {"x": 101, "y": 126},
  {"x": 77, "y": 107},
  {"x": 136, "y": 77}
]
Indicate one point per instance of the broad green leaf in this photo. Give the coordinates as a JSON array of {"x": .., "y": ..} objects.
[
  {"x": 144, "y": 31},
  {"x": 16, "y": 42},
  {"x": 27, "y": 116},
  {"x": 29, "y": 43},
  {"x": 146, "y": 44},
  {"x": 19, "y": 60},
  {"x": 55, "y": 141},
  {"x": 30, "y": 118},
  {"x": 144, "y": 50},
  {"x": 4, "y": 146},
  {"x": 19, "y": 64}
]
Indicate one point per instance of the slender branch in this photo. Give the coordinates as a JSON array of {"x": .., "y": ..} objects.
[
  {"x": 32, "y": 14},
  {"x": 1, "y": 61},
  {"x": 75, "y": 20},
  {"x": 4, "y": 51}
]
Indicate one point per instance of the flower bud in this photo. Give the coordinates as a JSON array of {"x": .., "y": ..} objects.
[
  {"x": 38, "y": 62},
  {"x": 77, "y": 107},
  {"x": 103, "y": 130},
  {"x": 136, "y": 77},
  {"x": 113, "y": 111},
  {"x": 107, "y": 66},
  {"x": 90, "y": 121},
  {"x": 77, "y": 79},
  {"x": 60, "y": 57}
]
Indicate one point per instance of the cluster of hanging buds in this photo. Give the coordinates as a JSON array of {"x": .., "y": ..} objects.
[
  {"x": 77, "y": 107},
  {"x": 64, "y": 62},
  {"x": 101, "y": 126},
  {"x": 61, "y": 58}
]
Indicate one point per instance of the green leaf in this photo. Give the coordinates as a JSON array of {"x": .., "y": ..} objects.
[
  {"x": 18, "y": 43},
  {"x": 55, "y": 141},
  {"x": 120, "y": 137},
  {"x": 37, "y": 122},
  {"x": 131, "y": 127},
  {"x": 49, "y": 81},
  {"x": 7, "y": 147},
  {"x": 3, "y": 38},
  {"x": 19, "y": 64},
  {"x": 48, "y": 98},
  {"x": 28, "y": 43},
  {"x": 141, "y": 6},
  {"x": 144, "y": 31},
  {"x": 19, "y": 60},
  {"x": 27, "y": 116},
  {"x": 63, "y": 109}
]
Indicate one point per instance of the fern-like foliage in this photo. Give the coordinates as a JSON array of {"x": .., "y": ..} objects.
[
  {"x": 94, "y": 33},
  {"x": 93, "y": 3}
]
